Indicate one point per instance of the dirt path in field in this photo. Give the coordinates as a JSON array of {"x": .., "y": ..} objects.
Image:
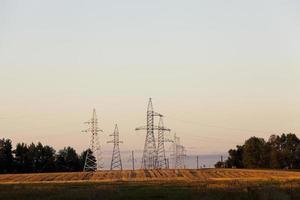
[{"x": 166, "y": 175}]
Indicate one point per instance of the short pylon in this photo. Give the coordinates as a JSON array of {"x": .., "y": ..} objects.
[
  {"x": 116, "y": 162},
  {"x": 93, "y": 160},
  {"x": 178, "y": 153}
]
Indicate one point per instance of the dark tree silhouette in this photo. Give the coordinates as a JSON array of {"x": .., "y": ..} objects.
[
  {"x": 6, "y": 157},
  {"x": 279, "y": 152},
  {"x": 67, "y": 160},
  {"x": 38, "y": 158}
]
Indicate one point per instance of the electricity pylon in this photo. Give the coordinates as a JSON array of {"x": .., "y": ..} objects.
[
  {"x": 93, "y": 159},
  {"x": 161, "y": 154},
  {"x": 178, "y": 153},
  {"x": 149, "y": 158},
  {"x": 116, "y": 162},
  {"x": 182, "y": 156},
  {"x": 132, "y": 160}
]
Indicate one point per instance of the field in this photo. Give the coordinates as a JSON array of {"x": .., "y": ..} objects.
[{"x": 153, "y": 184}]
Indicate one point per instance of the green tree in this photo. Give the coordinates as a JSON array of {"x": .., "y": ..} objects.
[
  {"x": 31, "y": 158},
  {"x": 67, "y": 160},
  {"x": 289, "y": 144},
  {"x": 6, "y": 156},
  {"x": 220, "y": 164},
  {"x": 254, "y": 154},
  {"x": 275, "y": 156},
  {"x": 283, "y": 151},
  {"x": 38, "y": 157},
  {"x": 297, "y": 157},
  {"x": 48, "y": 159},
  {"x": 21, "y": 158},
  {"x": 235, "y": 158}
]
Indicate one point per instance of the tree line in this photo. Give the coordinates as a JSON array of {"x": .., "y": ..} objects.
[
  {"x": 38, "y": 158},
  {"x": 278, "y": 152}
]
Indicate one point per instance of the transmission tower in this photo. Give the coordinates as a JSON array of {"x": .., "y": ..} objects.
[
  {"x": 149, "y": 158},
  {"x": 132, "y": 160},
  {"x": 178, "y": 153},
  {"x": 93, "y": 159},
  {"x": 161, "y": 154},
  {"x": 116, "y": 162},
  {"x": 182, "y": 156}
]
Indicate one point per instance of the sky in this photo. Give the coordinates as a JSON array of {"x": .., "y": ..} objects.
[{"x": 220, "y": 71}]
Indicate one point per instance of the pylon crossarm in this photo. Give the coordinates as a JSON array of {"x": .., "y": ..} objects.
[
  {"x": 166, "y": 129},
  {"x": 156, "y": 114},
  {"x": 154, "y": 128},
  {"x": 141, "y": 128}
]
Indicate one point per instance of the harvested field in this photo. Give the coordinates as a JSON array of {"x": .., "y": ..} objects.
[
  {"x": 167, "y": 175},
  {"x": 208, "y": 184}
]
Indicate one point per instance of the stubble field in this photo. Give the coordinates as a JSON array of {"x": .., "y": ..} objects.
[{"x": 153, "y": 184}]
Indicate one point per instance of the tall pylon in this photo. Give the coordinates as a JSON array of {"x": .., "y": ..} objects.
[
  {"x": 93, "y": 159},
  {"x": 116, "y": 162},
  {"x": 161, "y": 154},
  {"x": 149, "y": 158}
]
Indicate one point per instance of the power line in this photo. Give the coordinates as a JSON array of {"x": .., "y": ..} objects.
[{"x": 217, "y": 126}]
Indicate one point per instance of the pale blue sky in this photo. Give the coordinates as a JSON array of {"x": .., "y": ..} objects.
[{"x": 220, "y": 71}]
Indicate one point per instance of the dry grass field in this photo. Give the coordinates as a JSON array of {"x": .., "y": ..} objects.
[
  {"x": 206, "y": 184},
  {"x": 166, "y": 175}
]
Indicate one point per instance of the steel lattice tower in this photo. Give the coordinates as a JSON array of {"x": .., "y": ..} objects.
[
  {"x": 116, "y": 162},
  {"x": 161, "y": 154},
  {"x": 178, "y": 153},
  {"x": 132, "y": 160},
  {"x": 93, "y": 159},
  {"x": 149, "y": 158}
]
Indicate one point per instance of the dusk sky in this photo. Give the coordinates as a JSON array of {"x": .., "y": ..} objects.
[{"x": 220, "y": 71}]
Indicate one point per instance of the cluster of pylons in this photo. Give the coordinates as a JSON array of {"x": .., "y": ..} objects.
[
  {"x": 154, "y": 154},
  {"x": 93, "y": 158}
]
